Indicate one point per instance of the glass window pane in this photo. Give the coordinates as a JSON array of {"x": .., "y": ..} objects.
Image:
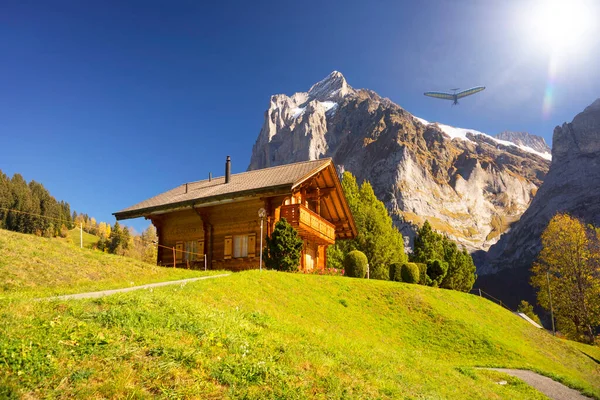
[{"x": 240, "y": 246}]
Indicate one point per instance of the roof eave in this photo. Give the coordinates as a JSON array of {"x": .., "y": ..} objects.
[
  {"x": 142, "y": 212},
  {"x": 326, "y": 162}
]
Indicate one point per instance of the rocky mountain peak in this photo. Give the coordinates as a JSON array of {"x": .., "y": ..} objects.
[
  {"x": 571, "y": 186},
  {"x": 594, "y": 106},
  {"x": 580, "y": 137},
  {"x": 469, "y": 185},
  {"x": 333, "y": 87},
  {"x": 534, "y": 142}
]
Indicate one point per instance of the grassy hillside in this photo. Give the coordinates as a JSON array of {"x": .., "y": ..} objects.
[
  {"x": 35, "y": 266},
  {"x": 89, "y": 240},
  {"x": 280, "y": 335}
]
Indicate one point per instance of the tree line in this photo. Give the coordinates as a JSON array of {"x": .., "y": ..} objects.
[
  {"x": 29, "y": 208},
  {"x": 121, "y": 241},
  {"x": 36, "y": 211}
]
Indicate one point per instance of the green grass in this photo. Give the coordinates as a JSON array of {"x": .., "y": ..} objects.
[
  {"x": 279, "y": 335},
  {"x": 35, "y": 266},
  {"x": 89, "y": 240}
]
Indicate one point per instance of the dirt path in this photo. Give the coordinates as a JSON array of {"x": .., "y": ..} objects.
[
  {"x": 91, "y": 295},
  {"x": 552, "y": 389}
]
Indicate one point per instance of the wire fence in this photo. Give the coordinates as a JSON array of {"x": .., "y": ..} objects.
[
  {"x": 488, "y": 296},
  {"x": 175, "y": 250},
  {"x": 32, "y": 214}
]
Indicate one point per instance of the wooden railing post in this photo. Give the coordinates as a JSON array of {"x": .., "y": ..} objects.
[{"x": 174, "y": 257}]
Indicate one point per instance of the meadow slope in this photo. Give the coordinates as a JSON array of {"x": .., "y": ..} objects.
[
  {"x": 89, "y": 240},
  {"x": 36, "y": 266},
  {"x": 280, "y": 335}
]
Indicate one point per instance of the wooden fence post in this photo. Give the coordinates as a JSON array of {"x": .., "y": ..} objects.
[{"x": 174, "y": 257}]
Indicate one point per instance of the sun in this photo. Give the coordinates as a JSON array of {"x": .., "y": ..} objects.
[{"x": 561, "y": 26}]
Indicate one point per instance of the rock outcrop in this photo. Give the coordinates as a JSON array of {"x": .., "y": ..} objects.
[
  {"x": 467, "y": 184},
  {"x": 572, "y": 185}
]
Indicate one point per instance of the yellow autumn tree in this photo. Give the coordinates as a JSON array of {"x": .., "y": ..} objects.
[{"x": 569, "y": 265}]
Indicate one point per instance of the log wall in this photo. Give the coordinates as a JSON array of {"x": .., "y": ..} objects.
[{"x": 213, "y": 228}]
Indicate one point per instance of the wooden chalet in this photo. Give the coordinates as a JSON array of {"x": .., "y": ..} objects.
[{"x": 218, "y": 219}]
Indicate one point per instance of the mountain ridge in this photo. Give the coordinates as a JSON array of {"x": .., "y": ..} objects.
[
  {"x": 470, "y": 185},
  {"x": 534, "y": 142}
]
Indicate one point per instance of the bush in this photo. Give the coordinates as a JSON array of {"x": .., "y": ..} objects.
[
  {"x": 380, "y": 272},
  {"x": 436, "y": 271},
  {"x": 423, "y": 278},
  {"x": 283, "y": 248},
  {"x": 410, "y": 273},
  {"x": 395, "y": 272},
  {"x": 355, "y": 264}
]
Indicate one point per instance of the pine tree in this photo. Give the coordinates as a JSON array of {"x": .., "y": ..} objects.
[
  {"x": 283, "y": 248},
  {"x": 430, "y": 245},
  {"x": 5, "y": 199},
  {"x": 377, "y": 237},
  {"x": 115, "y": 239},
  {"x": 32, "y": 208}
]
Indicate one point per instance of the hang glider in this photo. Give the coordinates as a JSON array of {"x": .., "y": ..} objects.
[{"x": 455, "y": 96}]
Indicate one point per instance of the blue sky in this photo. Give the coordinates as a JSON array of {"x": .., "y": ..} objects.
[{"x": 109, "y": 103}]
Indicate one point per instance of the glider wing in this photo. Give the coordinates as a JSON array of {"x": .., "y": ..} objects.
[
  {"x": 440, "y": 95},
  {"x": 469, "y": 92}
]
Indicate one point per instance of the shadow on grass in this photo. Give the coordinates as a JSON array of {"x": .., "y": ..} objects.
[{"x": 590, "y": 357}]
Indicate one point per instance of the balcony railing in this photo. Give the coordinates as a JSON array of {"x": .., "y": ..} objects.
[{"x": 309, "y": 223}]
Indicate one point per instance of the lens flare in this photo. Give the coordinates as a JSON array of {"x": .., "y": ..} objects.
[
  {"x": 550, "y": 85},
  {"x": 560, "y": 30}
]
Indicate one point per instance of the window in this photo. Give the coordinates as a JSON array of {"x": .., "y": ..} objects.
[
  {"x": 240, "y": 246},
  {"x": 191, "y": 248}
]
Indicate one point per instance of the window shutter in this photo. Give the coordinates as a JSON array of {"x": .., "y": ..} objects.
[
  {"x": 228, "y": 247},
  {"x": 251, "y": 245},
  {"x": 201, "y": 249},
  {"x": 179, "y": 252}
]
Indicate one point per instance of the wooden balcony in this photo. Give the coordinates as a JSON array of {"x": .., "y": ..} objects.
[{"x": 309, "y": 224}]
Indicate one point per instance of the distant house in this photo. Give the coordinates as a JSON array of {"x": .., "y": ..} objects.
[{"x": 219, "y": 217}]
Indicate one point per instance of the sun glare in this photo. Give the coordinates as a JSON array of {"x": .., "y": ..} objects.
[
  {"x": 562, "y": 26},
  {"x": 562, "y": 32}
]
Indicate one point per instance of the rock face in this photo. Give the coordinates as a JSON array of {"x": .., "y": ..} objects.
[
  {"x": 534, "y": 142},
  {"x": 572, "y": 185},
  {"x": 467, "y": 184}
]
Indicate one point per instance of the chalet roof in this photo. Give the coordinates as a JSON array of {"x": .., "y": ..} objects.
[{"x": 281, "y": 178}]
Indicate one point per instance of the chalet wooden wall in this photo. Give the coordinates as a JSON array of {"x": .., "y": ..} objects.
[
  {"x": 212, "y": 225},
  {"x": 179, "y": 226},
  {"x": 213, "y": 228},
  {"x": 234, "y": 219}
]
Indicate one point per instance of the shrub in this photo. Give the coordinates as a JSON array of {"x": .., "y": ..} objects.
[
  {"x": 409, "y": 273},
  {"x": 436, "y": 271},
  {"x": 355, "y": 264},
  {"x": 380, "y": 272},
  {"x": 423, "y": 278},
  {"x": 395, "y": 272},
  {"x": 283, "y": 248}
]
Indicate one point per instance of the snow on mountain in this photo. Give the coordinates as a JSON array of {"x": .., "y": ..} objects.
[
  {"x": 461, "y": 133},
  {"x": 468, "y": 184}
]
